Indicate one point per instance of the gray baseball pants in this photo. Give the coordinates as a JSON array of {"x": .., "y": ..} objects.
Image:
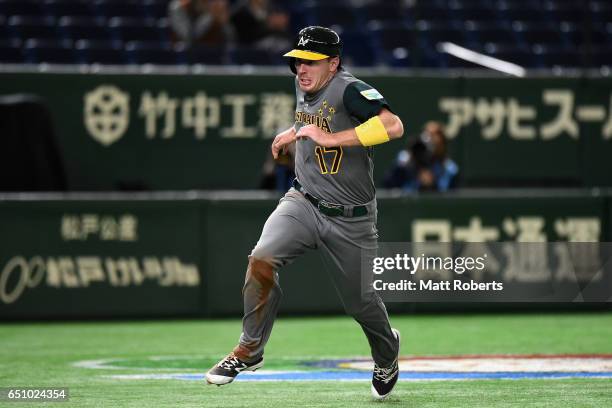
[{"x": 294, "y": 227}]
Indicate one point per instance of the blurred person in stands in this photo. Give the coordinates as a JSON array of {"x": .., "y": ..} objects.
[
  {"x": 277, "y": 175},
  {"x": 203, "y": 22},
  {"x": 262, "y": 24},
  {"x": 424, "y": 165}
]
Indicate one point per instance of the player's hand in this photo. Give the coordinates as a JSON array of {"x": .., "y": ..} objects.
[
  {"x": 317, "y": 135},
  {"x": 282, "y": 141}
]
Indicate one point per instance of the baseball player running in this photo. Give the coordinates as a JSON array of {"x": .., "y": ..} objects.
[{"x": 332, "y": 206}]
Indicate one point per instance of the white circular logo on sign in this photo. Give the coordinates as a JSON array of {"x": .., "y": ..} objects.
[{"x": 107, "y": 113}]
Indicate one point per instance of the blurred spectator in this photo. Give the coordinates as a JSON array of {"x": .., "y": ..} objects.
[
  {"x": 261, "y": 24},
  {"x": 205, "y": 22},
  {"x": 278, "y": 174},
  {"x": 424, "y": 165}
]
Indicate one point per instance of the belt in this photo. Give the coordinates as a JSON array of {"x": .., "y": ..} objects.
[{"x": 329, "y": 209}]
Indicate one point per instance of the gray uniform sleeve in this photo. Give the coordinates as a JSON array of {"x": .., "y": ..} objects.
[{"x": 362, "y": 101}]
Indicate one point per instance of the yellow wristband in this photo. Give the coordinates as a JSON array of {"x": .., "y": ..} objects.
[{"x": 372, "y": 132}]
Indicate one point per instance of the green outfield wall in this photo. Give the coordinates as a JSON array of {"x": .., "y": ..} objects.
[
  {"x": 169, "y": 131},
  {"x": 185, "y": 254}
]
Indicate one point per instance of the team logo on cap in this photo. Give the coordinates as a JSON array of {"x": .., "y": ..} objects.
[{"x": 303, "y": 41}]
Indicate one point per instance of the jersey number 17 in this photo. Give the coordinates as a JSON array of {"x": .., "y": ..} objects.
[{"x": 323, "y": 152}]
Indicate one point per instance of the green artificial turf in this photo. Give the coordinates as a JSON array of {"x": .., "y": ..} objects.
[{"x": 42, "y": 355}]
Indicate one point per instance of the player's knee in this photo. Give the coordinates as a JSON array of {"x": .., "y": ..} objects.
[
  {"x": 262, "y": 262},
  {"x": 262, "y": 271}
]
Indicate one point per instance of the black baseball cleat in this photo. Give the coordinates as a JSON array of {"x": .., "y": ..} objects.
[
  {"x": 227, "y": 369},
  {"x": 384, "y": 378}
]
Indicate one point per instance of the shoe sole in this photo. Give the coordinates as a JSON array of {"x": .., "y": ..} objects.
[
  {"x": 375, "y": 393},
  {"x": 220, "y": 380}
]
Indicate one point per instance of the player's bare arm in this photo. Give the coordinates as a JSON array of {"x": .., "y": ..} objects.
[
  {"x": 392, "y": 125},
  {"x": 281, "y": 142}
]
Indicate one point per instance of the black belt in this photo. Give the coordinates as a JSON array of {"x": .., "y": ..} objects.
[{"x": 329, "y": 209}]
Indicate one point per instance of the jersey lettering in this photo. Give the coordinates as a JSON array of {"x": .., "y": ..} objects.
[{"x": 309, "y": 119}]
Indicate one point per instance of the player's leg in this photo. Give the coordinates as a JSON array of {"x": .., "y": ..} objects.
[
  {"x": 288, "y": 232},
  {"x": 347, "y": 241}
]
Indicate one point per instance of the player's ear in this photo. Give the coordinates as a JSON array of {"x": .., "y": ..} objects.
[{"x": 333, "y": 63}]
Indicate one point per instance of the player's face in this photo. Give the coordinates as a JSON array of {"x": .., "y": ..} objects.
[{"x": 314, "y": 75}]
